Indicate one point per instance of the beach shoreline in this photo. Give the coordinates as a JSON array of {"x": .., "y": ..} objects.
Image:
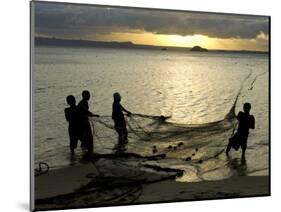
[{"x": 112, "y": 182}]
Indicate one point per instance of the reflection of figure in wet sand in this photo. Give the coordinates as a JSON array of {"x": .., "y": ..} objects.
[
  {"x": 245, "y": 122},
  {"x": 119, "y": 119},
  {"x": 84, "y": 113},
  {"x": 240, "y": 167},
  {"x": 71, "y": 115}
]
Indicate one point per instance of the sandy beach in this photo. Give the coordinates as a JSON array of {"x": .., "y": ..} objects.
[{"x": 110, "y": 181}]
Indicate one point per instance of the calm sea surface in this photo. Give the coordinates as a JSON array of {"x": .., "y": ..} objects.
[{"x": 193, "y": 88}]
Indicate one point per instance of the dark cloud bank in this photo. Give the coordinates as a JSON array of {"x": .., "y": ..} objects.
[{"x": 75, "y": 21}]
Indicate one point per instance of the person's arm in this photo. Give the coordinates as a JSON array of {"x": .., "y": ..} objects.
[
  {"x": 66, "y": 114},
  {"x": 239, "y": 116},
  {"x": 86, "y": 111},
  {"x": 90, "y": 114},
  {"x": 128, "y": 112},
  {"x": 253, "y": 122},
  {"x": 113, "y": 112},
  {"x": 93, "y": 115}
]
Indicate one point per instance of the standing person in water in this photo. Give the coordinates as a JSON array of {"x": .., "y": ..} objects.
[
  {"x": 119, "y": 119},
  {"x": 84, "y": 113},
  {"x": 71, "y": 115},
  {"x": 245, "y": 122}
]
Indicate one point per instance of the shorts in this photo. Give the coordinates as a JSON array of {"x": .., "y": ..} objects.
[{"x": 237, "y": 140}]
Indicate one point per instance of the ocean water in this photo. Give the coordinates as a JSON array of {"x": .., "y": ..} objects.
[{"x": 200, "y": 92}]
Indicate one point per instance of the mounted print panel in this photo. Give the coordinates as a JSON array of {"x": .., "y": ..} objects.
[{"x": 138, "y": 106}]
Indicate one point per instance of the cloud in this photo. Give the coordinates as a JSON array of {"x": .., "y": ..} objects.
[{"x": 78, "y": 21}]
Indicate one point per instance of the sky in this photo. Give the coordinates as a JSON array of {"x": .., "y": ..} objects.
[{"x": 152, "y": 27}]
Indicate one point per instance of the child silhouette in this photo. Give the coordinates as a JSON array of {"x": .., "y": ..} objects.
[{"x": 240, "y": 138}]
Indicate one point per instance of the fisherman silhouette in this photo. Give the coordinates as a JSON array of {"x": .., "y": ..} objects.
[
  {"x": 245, "y": 122},
  {"x": 119, "y": 119},
  {"x": 84, "y": 113},
  {"x": 71, "y": 115}
]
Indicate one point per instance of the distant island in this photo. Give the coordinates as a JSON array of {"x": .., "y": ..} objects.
[
  {"x": 198, "y": 49},
  {"x": 56, "y": 42}
]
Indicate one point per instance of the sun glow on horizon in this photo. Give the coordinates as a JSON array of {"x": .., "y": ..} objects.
[{"x": 148, "y": 38}]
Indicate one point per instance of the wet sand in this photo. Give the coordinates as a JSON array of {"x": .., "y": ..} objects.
[
  {"x": 243, "y": 186},
  {"x": 110, "y": 181}
]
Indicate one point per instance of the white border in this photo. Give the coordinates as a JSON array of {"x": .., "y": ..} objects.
[{"x": 14, "y": 95}]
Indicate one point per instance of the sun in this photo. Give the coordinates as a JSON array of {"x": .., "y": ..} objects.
[{"x": 185, "y": 41}]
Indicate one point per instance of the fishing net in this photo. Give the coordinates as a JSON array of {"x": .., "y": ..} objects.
[{"x": 146, "y": 129}]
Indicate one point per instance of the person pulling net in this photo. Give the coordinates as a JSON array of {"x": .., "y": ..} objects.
[{"x": 120, "y": 124}]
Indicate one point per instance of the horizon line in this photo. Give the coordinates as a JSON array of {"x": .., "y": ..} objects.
[{"x": 148, "y": 45}]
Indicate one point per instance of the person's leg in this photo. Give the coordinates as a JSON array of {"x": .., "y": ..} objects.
[
  {"x": 72, "y": 150},
  {"x": 88, "y": 139},
  {"x": 120, "y": 136},
  {"x": 228, "y": 148},
  {"x": 244, "y": 147},
  {"x": 72, "y": 140},
  {"x": 120, "y": 132},
  {"x": 122, "y": 126},
  {"x": 90, "y": 142},
  {"x": 83, "y": 145},
  {"x": 82, "y": 137},
  {"x": 125, "y": 135},
  {"x": 243, "y": 157},
  {"x": 73, "y": 144}
]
